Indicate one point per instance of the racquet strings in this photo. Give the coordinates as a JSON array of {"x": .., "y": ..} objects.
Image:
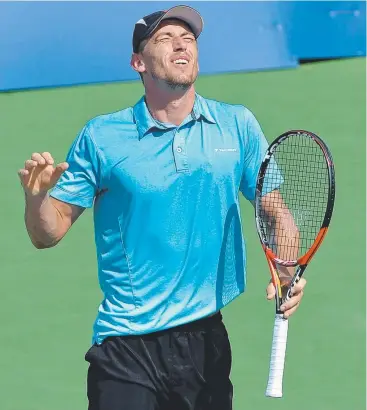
[{"x": 298, "y": 170}]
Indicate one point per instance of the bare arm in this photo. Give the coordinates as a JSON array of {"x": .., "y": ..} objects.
[
  {"x": 284, "y": 232},
  {"x": 47, "y": 219},
  {"x": 286, "y": 238}
]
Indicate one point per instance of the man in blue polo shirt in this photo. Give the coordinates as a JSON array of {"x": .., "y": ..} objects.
[{"x": 163, "y": 178}]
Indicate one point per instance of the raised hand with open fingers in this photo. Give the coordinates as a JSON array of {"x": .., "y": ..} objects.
[{"x": 40, "y": 174}]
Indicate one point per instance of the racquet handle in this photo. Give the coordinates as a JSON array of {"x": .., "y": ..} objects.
[{"x": 278, "y": 348}]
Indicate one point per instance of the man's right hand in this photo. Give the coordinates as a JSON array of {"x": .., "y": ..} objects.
[{"x": 39, "y": 173}]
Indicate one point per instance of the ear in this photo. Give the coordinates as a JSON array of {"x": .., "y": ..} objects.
[{"x": 137, "y": 63}]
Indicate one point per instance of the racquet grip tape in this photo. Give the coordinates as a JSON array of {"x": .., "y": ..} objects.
[{"x": 277, "y": 359}]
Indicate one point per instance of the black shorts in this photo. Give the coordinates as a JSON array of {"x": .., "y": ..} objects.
[{"x": 183, "y": 368}]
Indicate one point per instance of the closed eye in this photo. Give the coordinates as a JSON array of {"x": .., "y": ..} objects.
[{"x": 189, "y": 39}]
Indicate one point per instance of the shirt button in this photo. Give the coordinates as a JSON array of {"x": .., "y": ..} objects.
[{"x": 179, "y": 149}]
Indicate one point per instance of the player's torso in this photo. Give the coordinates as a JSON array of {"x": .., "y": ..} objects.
[{"x": 167, "y": 218}]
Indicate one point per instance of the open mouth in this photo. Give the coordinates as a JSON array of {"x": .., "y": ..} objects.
[{"x": 180, "y": 61}]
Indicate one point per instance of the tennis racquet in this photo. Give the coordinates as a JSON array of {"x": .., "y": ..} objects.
[{"x": 294, "y": 202}]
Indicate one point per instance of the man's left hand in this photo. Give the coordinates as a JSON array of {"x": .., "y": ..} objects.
[{"x": 289, "y": 307}]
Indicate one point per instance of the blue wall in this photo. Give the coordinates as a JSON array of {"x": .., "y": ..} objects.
[
  {"x": 46, "y": 44},
  {"x": 325, "y": 29}
]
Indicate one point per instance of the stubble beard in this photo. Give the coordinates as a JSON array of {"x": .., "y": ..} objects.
[{"x": 177, "y": 82}]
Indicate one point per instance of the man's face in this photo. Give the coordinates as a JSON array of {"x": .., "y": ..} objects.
[{"x": 171, "y": 55}]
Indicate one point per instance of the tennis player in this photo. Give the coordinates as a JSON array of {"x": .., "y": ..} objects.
[{"x": 164, "y": 178}]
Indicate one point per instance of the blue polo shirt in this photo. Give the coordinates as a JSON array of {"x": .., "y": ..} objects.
[{"x": 167, "y": 220}]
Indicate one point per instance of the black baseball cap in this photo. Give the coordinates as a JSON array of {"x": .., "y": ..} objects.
[{"x": 145, "y": 26}]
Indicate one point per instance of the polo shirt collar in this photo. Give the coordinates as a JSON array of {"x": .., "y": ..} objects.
[
  {"x": 145, "y": 122},
  {"x": 201, "y": 109}
]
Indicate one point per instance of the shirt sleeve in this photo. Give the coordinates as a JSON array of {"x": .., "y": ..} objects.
[
  {"x": 255, "y": 146},
  {"x": 79, "y": 184}
]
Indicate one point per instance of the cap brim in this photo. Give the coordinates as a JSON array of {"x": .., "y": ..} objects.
[{"x": 186, "y": 14}]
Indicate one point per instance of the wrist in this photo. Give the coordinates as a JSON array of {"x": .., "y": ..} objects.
[{"x": 36, "y": 198}]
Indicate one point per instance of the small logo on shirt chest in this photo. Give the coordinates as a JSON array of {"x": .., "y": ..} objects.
[{"x": 225, "y": 149}]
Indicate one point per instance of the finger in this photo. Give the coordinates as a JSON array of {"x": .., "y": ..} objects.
[
  {"x": 59, "y": 170},
  {"x": 298, "y": 287},
  {"x": 38, "y": 158},
  {"x": 23, "y": 172},
  {"x": 30, "y": 164},
  {"x": 294, "y": 300},
  {"x": 290, "y": 311},
  {"x": 270, "y": 291},
  {"x": 48, "y": 157},
  {"x": 63, "y": 166}
]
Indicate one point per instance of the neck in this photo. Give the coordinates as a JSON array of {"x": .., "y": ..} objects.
[{"x": 172, "y": 107}]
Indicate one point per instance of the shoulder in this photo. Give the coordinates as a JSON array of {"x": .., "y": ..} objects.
[
  {"x": 223, "y": 111},
  {"x": 105, "y": 128},
  {"x": 110, "y": 120}
]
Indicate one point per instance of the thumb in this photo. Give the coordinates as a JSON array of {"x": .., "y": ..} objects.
[
  {"x": 270, "y": 291},
  {"x": 59, "y": 170}
]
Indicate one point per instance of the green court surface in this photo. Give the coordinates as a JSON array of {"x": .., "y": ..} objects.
[{"x": 49, "y": 298}]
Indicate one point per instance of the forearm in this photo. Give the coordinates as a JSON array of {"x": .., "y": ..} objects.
[
  {"x": 287, "y": 240},
  {"x": 43, "y": 221}
]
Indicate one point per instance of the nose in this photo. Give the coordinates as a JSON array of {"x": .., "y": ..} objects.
[{"x": 179, "y": 44}]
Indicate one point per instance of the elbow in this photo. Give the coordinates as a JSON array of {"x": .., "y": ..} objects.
[
  {"x": 42, "y": 245},
  {"x": 38, "y": 245}
]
